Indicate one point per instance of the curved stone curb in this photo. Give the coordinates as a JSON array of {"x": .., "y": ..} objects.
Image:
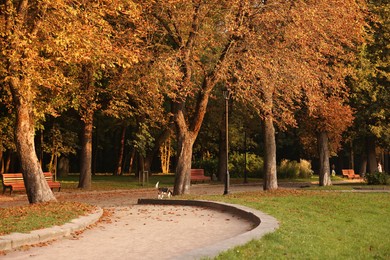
[
  {"x": 15, "y": 240},
  {"x": 262, "y": 222}
]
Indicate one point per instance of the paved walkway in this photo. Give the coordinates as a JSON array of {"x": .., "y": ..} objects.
[
  {"x": 145, "y": 231},
  {"x": 149, "y": 231}
]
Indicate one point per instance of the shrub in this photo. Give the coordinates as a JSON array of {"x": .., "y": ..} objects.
[
  {"x": 377, "y": 178},
  {"x": 210, "y": 166},
  {"x": 288, "y": 169},
  {"x": 305, "y": 170},
  {"x": 254, "y": 165},
  {"x": 293, "y": 169}
]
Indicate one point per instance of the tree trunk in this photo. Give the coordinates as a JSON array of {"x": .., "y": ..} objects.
[
  {"x": 1, "y": 162},
  {"x": 165, "y": 156},
  {"x": 352, "y": 157},
  {"x": 323, "y": 151},
  {"x": 186, "y": 138},
  {"x": 95, "y": 148},
  {"x": 183, "y": 166},
  {"x": 142, "y": 178},
  {"x": 131, "y": 162},
  {"x": 41, "y": 147},
  {"x": 363, "y": 162},
  {"x": 9, "y": 162},
  {"x": 86, "y": 154},
  {"x": 162, "y": 138},
  {"x": 119, "y": 164},
  {"x": 36, "y": 186},
  {"x": 63, "y": 167},
  {"x": 363, "y": 165},
  {"x": 270, "y": 177},
  {"x": 372, "y": 160}
]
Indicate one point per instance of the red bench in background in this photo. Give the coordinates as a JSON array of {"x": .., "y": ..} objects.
[
  {"x": 14, "y": 181},
  {"x": 198, "y": 175},
  {"x": 350, "y": 174}
]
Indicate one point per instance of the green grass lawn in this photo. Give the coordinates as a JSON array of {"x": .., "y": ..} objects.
[
  {"x": 317, "y": 225},
  {"x": 31, "y": 217},
  {"x": 110, "y": 182}
]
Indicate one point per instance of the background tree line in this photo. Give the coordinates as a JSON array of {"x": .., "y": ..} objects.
[{"x": 101, "y": 86}]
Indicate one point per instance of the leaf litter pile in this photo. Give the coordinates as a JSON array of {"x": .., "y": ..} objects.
[{"x": 42, "y": 215}]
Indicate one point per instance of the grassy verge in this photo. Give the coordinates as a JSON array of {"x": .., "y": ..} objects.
[
  {"x": 110, "y": 182},
  {"x": 317, "y": 225},
  {"x": 31, "y": 217}
]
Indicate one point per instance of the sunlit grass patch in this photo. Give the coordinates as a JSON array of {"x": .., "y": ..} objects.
[
  {"x": 317, "y": 225},
  {"x": 36, "y": 216}
]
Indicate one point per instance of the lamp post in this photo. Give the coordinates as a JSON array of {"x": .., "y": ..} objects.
[{"x": 226, "y": 95}]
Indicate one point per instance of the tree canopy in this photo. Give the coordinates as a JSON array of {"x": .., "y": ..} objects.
[{"x": 154, "y": 67}]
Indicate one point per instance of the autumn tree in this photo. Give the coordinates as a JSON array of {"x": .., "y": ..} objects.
[
  {"x": 111, "y": 32},
  {"x": 293, "y": 51},
  {"x": 321, "y": 135},
  {"x": 28, "y": 32},
  {"x": 7, "y": 144},
  {"x": 129, "y": 103},
  {"x": 58, "y": 142},
  {"x": 40, "y": 40},
  {"x": 370, "y": 92},
  {"x": 331, "y": 53},
  {"x": 196, "y": 39}
]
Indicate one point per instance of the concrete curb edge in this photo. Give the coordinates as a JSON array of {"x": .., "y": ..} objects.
[
  {"x": 15, "y": 240},
  {"x": 263, "y": 224}
]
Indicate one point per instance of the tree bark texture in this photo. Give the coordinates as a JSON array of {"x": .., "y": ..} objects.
[
  {"x": 363, "y": 163},
  {"x": 183, "y": 167},
  {"x": 119, "y": 170},
  {"x": 85, "y": 179},
  {"x": 270, "y": 177},
  {"x": 186, "y": 138},
  {"x": 372, "y": 160},
  {"x": 352, "y": 157},
  {"x": 323, "y": 151},
  {"x": 63, "y": 166},
  {"x": 36, "y": 186},
  {"x": 131, "y": 161}
]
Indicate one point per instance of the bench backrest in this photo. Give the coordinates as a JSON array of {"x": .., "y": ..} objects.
[
  {"x": 10, "y": 178},
  {"x": 348, "y": 172},
  {"x": 196, "y": 172},
  {"x": 48, "y": 176}
]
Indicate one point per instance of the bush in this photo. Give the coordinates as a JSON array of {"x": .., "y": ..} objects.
[
  {"x": 305, "y": 170},
  {"x": 254, "y": 165},
  {"x": 293, "y": 169},
  {"x": 210, "y": 166},
  {"x": 377, "y": 178}
]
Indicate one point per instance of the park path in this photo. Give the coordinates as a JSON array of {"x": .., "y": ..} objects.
[
  {"x": 131, "y": 231},
  {"x": 141, "y": 231}
]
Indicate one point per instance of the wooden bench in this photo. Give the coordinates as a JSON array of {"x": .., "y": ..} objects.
[
  {"x": 350, "y": 174},
  {"x": 50, "y": 180},
  {"x": 198, "y": 175},
  {"x": 14, "y": 181}
]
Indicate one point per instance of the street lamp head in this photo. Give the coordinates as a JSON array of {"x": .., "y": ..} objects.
[{"x": 226, "y": 94}]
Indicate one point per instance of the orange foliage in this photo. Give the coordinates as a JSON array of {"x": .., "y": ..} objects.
[{"x": 297, "y": 51}]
